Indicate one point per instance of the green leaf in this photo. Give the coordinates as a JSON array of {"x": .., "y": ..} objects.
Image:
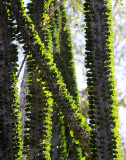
[
  {"x": 82, "y": 29},
  {"x": 77, "y": 17},
  {"x": 75, "y": 31}
]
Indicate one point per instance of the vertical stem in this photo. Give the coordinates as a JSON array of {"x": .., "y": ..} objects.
[
  {"x": 103, "y": 106},
  {"x": 22, "y": 100}
]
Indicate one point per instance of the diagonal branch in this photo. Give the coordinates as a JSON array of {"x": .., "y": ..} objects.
[
  {"x": 21, "y": 66},
  {"x": 51, "y": 74},
  {"x": 56, "y": 6}
]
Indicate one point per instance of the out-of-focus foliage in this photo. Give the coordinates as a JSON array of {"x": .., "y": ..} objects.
[{"x": 119, "y": 19}]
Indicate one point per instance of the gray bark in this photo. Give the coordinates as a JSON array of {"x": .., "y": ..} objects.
[
  {"x": 55, "y": 135},
  {"x": 22, "y": 99}
]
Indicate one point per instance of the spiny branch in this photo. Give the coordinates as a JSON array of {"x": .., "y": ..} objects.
[{"x": 52, "y": 76}]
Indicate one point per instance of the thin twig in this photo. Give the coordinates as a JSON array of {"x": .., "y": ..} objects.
[
  {"x": 21, "y": 66},
  {"x": 56, "y": 6},
  {"x": 66, "y": 23}
]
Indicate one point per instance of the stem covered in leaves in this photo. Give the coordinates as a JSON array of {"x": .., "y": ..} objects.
[
  {"x": 39, "y": 108},
  {"x": 104, "y": 137},
  {"x": 10, "y": 126}
]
